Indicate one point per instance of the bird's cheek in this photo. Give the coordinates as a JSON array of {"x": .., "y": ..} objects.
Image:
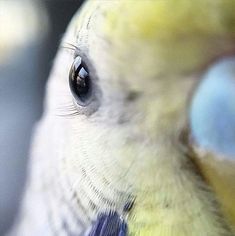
[{"x": 161, "y": 118}]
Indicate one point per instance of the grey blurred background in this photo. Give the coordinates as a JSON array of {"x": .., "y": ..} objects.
[{"x": 25, "y": 61}]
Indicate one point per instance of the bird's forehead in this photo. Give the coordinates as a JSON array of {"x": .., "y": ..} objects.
[
  {"x": 182, "y": 34},
  {"x": 168, "y": 19}
]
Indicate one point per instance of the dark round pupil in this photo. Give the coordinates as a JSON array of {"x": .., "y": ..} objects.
[{"x": 79, "y": 80}]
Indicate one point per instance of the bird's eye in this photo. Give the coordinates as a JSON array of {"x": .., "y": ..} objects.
[
  {"x": 79, "y": 82},
  {"x": 212, "y": 115}
]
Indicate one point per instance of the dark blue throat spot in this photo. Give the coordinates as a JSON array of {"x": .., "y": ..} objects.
[{"x": 109, "y": 224}]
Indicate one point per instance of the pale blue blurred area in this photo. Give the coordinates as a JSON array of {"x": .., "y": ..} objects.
[
  {"x": 213, "y": 109},
  {"x": 22, "y": 84},
  {"x": 20, "y": 107}
]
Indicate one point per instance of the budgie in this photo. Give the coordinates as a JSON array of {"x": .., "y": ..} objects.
[{"x": 138, "y": 131}]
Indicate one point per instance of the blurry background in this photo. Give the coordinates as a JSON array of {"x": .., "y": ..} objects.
[{"x": 30, "y": 32}]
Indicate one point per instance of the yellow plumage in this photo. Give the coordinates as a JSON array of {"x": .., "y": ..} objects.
[{"x": 160, "y": 48}]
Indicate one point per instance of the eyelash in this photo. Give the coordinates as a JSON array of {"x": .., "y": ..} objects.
[
  {"x": 67, "y": 45},
  {"x": 67, "y": 110}
]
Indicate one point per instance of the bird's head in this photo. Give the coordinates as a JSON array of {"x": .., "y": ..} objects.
[{"x": 129, "y": 77}]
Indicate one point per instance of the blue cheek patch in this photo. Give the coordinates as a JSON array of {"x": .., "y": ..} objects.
[
  {"x": 109, "y": 224},
  {"x": 212, "y": 114}
]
